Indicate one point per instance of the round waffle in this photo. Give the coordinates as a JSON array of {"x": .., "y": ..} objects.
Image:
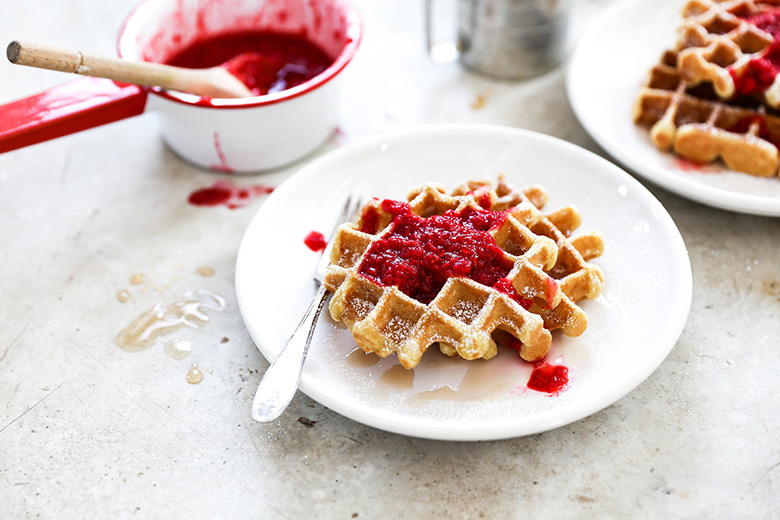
[{"x": 549, "y": 272}]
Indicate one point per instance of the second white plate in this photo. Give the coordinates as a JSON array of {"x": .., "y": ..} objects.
[
  {"x": 632, "y": 326},
  {"x": 610, "y": 64}
]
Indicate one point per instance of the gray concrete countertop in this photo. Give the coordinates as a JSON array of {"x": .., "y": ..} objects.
[{"x": 88, "y": 430}]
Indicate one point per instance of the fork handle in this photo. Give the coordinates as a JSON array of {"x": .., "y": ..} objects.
[{"x": 280, "y": 381}]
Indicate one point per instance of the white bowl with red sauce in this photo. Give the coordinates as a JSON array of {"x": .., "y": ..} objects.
[{"x": 304, "y": 45}]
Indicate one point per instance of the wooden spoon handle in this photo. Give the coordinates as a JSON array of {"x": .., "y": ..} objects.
[{"x": 205, "y": 82}]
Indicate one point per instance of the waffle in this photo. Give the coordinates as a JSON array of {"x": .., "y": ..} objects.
[
  {"x": 538, "y": 293},
  {"x": 695, "y": 124},
  {"x": 729, "y": 44},
  {"x": 577, "y": 278}
]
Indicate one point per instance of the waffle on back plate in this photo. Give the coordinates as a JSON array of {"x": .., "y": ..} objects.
[
  {"x": 461, "y": 270},
  {"x": 697, "y": 125},
  {"x": 731, "y": 45}
]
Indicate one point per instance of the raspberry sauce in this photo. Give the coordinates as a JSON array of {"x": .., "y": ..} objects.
[
  {"x": 266, "y": 62},
  {"x": 225, "y": 193},
  {"x": 505, "y": 286},
  {"x": 315, "y": 241},
  {"x": 547, "y": 378},
  {"x": 369, "y": 221},
  {"x": 418, "y": 255},
  {"x": 760, "y": 73},
  {"x": 759, "y": 121}
]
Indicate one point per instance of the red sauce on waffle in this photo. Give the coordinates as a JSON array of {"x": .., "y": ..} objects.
[
  {"x": 505, "y": 286},
  {"x": 369, "y": 221},
  {"x": 760, "y": 73},
  {"x": 266, "y": 62},
  {"x": 418, "y": 255},
  {"x": 758, "y": 121}
]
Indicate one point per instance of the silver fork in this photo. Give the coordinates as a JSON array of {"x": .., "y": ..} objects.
[{"x": 280, "y": 382}]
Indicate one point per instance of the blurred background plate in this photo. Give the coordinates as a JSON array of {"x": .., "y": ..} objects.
[{"x": 610, "y": 64}]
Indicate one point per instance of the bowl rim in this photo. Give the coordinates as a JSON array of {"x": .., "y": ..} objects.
[{"x": 354, "y": 36}]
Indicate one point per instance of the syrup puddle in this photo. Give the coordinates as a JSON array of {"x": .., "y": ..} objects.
[
  {"x": 205, "y": 272},
  {"x": 187, "y": 310},
  {"x": 194, "y": 376},
  {"x": 177, "y": 349},
  {"x": 359, "y": 359},
  {"x": 137, "y": 279},
  {"x": 479, "y": 102},
  {"x": 122, "y": 295},
  {"x": 441, "y": 378},
  {"x": 398, "y": 377},
  {"x": 478, "y": 383}
]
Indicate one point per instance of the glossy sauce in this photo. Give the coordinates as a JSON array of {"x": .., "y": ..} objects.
[
  {"x": 757, "y": 124},
  {"x": 205, "y": 272},
  {"x": 122, "y": 295},
  {"x": 187, "y": 310},
  {"x": 195, "y": 375},
  {"x": 225, "y": 193},
  {"x": 550, "y": 379},
  {"x": 359, "y": 359},
  {"x": 177, "y": 349},
  {"x": 315, "y": 241},
  {"x": 418, "y": 255},
  {"x": 137, "y": 279},
  {"x": 760, "y": 73},
  {"x": 266, "y": 62}
]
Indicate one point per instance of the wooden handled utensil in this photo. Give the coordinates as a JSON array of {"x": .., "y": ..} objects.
[{"x": 215, "y": 82}]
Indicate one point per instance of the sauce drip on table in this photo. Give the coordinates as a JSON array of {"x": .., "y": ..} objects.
[{"x": 225, "y": 193}]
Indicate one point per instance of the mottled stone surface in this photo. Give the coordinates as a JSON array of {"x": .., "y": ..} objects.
[{"x": 88, "y": 430}]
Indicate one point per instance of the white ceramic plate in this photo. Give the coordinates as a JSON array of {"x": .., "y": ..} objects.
[
  {"x": 633, "y": 324},
  {"x": 611, "y": 62}
]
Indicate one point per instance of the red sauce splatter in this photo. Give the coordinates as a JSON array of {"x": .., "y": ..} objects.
[
  {"x": 513, "y": 342},
  {"x": 223, "y": 165},
  {"x": 266, "y": 62},
  {"x": 689, "y": 165},
  {"x": 482, "y": 195},
  {"x": 418, "y": 255},
  {"x": 340, "y": 136},
  {"x": 547, "y": 378},
  {"x": 315, "y": 241},
  {"x": 505, "y": 286},
  {"x": 225, "y": 193},
  {"x": 369, "y": 220},
  {"x": 552, "y": 290}
]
